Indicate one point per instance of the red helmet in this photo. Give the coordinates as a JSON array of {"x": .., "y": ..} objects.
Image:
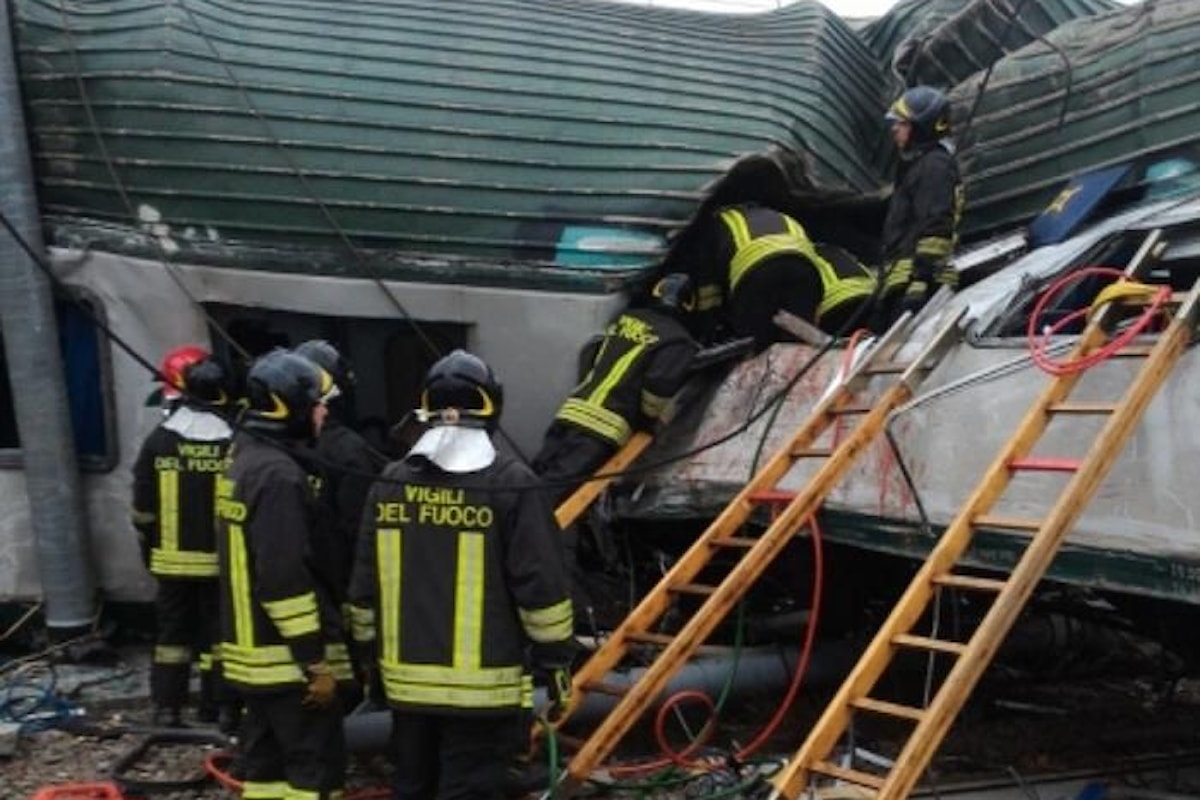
[{"x": 178, "y": 359}]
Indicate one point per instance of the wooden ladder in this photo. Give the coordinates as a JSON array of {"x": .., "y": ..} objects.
[
  {"x": 929, "y": 724},
  {"x": 753, "y": 554}
]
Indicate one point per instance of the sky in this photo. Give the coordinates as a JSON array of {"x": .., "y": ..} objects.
[{"x": 845, "y": 8}]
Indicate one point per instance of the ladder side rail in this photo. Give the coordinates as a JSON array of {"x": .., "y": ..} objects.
[
  {"x": 583, "y": 497},
  {"x": 735, "y": 585},
  {"x": 986, "y": 640}
]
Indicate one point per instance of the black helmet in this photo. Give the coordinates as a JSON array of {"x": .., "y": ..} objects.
[
  {"x": 461, "y": 389},
  {"x": 926, "y": 109},
  {"x": 206, "y": 383},
  {"x": 330, "y": 359},
  {"x": 675, "y": 292},
  {"x": 281, "y": 390}
]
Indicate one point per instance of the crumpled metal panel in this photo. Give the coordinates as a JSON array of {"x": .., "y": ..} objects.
[
  {"x": 498, "y": 131},
  {"x": 1096, "y": 92}
]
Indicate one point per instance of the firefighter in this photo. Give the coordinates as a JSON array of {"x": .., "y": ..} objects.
[
  {"x": 282, "y": 638},
  {"x": 755, "y": 261},
  {"x": 343, "y": 463},
  {"x": 921, "y": 227},
  {"x": 641, "y": 362},
  {"x": 174, "y": 478},
  {"x": 459, "y": 586}
]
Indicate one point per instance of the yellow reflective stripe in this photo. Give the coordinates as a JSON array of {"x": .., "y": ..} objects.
[
  {"x": 553, "y": 623},
  {"x": 362, "y": 624},
  {"x": 708, "y": 297},
  {"x": 738, "y": 227},
  {"x": 615, "y": 374},
  {"x": 468, "y": 601},
  {"x": 263, "y": 790},
  {"x": 142, "y": 517},
  {"x": 846, "y": 290},
  {"x": 294, "y": 616},
  {"x": 947, "y": 276},
  {"x": 606, "y": 424},
  {"x": 387, "y": 553},
  {"x": 489, "y": 687},
  {"x": 935, "y": 246},
  {"x": 189, "y": 563},
  {"x": 757, "y": 251},
  {"x": 206, "y": 662},
  {"x": 172, "y": 654},
  {"x": 899, "y": 274},
  {"x": 652, "y": 404},
  {"x": 168, "y": 509},
  {"x": 239, "y": 581},
  {"x": 302, "y": 794},
  {"x": 273, "y": 664}
]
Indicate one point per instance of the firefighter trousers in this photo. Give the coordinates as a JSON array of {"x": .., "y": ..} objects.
[
  {"x": 186, "y": 619},
  {"x": 291, "y": 751},
  {"x": 453, "y": 757}
]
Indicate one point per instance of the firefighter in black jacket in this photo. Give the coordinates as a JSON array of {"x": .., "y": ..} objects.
[
  {"x": 174, "y": 481},
  {"x": 641, "y": 362},
  {"x": 921, "y": 228},
  {"x": 755, "y": 261},
  {"x": 458, "y": 586},
  {"x": 282, "y": 637},
  {"x": 344, "y": 462}
]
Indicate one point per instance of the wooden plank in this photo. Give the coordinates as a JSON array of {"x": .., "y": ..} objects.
[
  {"x": 1028, "y": 524},
  {"x": 927, "y": 643},
  {"x": 970, "y": 582},
  {"x": 1080, "y": 407},
  {"x": 888, "y": 709},
  {"x": 849, "y": 775}
]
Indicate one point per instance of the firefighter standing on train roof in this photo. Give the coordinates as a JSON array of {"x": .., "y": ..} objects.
[
  {"x": 641, "y": 362},
  {"x": 458, "y": 586},
  {"x": 174, "y": 480},
  {"x": 754, "y": 261},
  {"x": 921, "y": 228},
  {"x": 282, "y": 637}
]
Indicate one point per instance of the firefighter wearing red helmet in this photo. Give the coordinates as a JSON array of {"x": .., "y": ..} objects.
[
  {"x": 173, "y": 488},
  {"x": 921, "y": 228},
  {"x": 459, "y": 575},
  {"x": 282, "y": 637}
]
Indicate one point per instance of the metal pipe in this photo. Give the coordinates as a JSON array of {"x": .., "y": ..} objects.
[
  {"x": 762, "y": 670},
  {"x": 35, "y": 373}
]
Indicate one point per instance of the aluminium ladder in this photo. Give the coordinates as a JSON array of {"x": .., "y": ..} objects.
[
  {"x": 756, "y": 553},
  {"x": 816, "y": 759}
]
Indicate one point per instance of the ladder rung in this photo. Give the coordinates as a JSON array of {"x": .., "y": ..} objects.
[
  {"x": 1081, "y": 408},
  {"x": 693, "y": 588},
  {"x": 1134, "y": 351},
  {"x": 846, "y": 774},
  {"x": 1007, "y": 523},
  {"x": 888, "y": 709},
  {"x": 925, "y": 643},
  {"x": 772, "y": 496},
  {"x": 970, "y": 582},
  {"x": 813, "y": 452},
  {"x": 1045, "y": 464},
  {"x": 612, "y": 690},
  {"x": 660, "y": 639},
  {"x": 743, "y": 542},
  {"x": 887, "y": 368},
  {"x": 848, "y": 410}
]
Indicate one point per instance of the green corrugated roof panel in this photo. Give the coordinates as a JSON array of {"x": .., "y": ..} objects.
[
  {"x": 1098, "y": 92},
  {"x": 456, "y": 130}
]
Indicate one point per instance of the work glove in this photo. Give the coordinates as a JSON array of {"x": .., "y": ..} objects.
[{"x": 322, "y": 686}]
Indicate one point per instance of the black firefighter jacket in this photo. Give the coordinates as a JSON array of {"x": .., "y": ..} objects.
[
  {"x": 453, "y": 582},
  {"x": 641, "y": 363},
  {"x": 277, "y": 609},
  {"x": 922, "y": 219}
]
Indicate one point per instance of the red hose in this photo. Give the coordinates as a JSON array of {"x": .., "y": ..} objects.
[{"x": 1038, "y": 344}]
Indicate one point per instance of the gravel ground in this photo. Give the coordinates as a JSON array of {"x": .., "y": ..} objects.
[{"x": 1034, "y": 727}]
